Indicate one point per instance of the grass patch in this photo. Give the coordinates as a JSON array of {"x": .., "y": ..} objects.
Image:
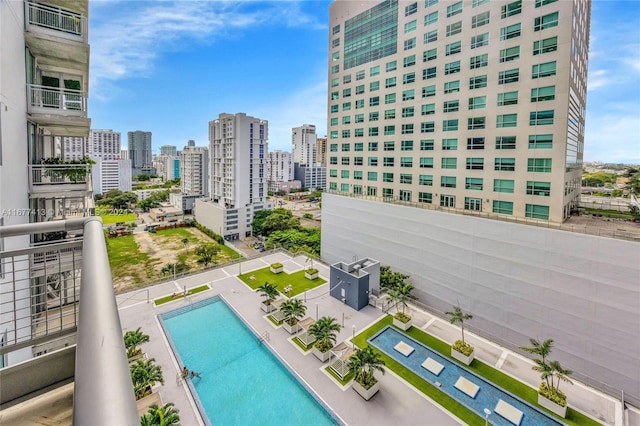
[
  {"x": 108, "y": 219},
  {"x": 301, "y": 345},
  {"x": 124, "y": 252},
  {"x": 299, "y": 284},
  {"x": 344, "y": 381},
  {"x": 273, "y": 320},
  {"x": 521, "y": 390},
  {"x": 613, "y": 214},
  {"x": 170, "y": 297}
]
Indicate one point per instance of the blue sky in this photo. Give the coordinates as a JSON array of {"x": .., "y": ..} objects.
[{"x": 170, "y": 67}]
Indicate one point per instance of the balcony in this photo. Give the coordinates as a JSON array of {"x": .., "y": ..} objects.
[
  {"x": 62, "y": 111},
  {"x": 55, "y": 21},
  {"x": 59, "y": 179}
]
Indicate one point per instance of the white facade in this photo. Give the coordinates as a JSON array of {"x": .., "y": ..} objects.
[
  {"x": 231, "y": 223},
  {"x": 194, "y": 171},
  {"x": 303, "y": 141},
  {"x": 279, "y": 167},
  {"x": 124, "y": 154},
  {"x": 238, "y": 146},
  {"x": 165, "y": 166},
  {"x": 170, "y": 150},
  {"x": 103, "y": 144},
  {"x": 73, "y": 148},
  {"x": 111, "y": 174}
]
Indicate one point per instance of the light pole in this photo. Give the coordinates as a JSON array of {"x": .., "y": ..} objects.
[
  {"x": 486, "y": 416},
  {"x": 316, "y": 311},
  {"x": 353, "y": 333}
]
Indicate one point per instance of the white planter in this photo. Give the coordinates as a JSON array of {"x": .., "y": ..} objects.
[
  {"x": 322, "y": 356},
  {"x": 311, "y": 276},
  {"x": 367, "y": 394},
  {"x": 292, "y": 329},
  {"x": 267, "y": 308},
  {"x": 462, "y": 357},
  {"x": 404, "y": 326},
  {"x": 276, "y": 270},
  {"x": 552, "y": 406}
]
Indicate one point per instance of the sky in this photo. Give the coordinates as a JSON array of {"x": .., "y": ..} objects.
[{"x": 170, "y": 67}]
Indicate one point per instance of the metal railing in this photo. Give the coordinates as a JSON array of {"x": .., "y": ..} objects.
[
  {"x": 581, "y": 229},
  {"x": 103, "y": 391},
  {"x": 45, "y": 99},
  {"x": 68, "y": 22},
  {"x": 58, "y": 174}
]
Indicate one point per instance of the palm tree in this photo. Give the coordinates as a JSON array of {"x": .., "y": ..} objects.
[
  {"x": 293, "y": 310},
  {"x": 542, "y": 349},
  {"x": 144, "y": 374},
  {"x": 457, "y": 316},
  {"x": 561, "y": 373},
  {"x": 161, "y": 416},
  {"x": 325, "y": 331},
  {"x": 132, "y": 339},
  {"x": 269, "y": 292},
  {"x": 400, "y": 295},
  {"x": 206, "y": 253},
  {"x": 185, "y": 241},
  {"x": 364, "y": 363}
]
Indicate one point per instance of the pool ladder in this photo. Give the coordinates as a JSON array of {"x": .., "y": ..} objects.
[{"x": 264, "y": 336}]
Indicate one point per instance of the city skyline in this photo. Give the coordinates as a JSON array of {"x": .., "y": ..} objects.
[{"x": 143, "y": 71}]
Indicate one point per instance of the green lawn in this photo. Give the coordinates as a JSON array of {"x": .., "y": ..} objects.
[
  {"x": 495, "y": 376},
  {"x": 344, "y": 381},
  {"x": 108, "y": 219},
  {"x": 301, "y": 345},
  {"x": 124, "y": 252},
  {"x": 614, "y": 214},
  {"x": 170, "y": 297},
  {"x": 299, "y": 284}
]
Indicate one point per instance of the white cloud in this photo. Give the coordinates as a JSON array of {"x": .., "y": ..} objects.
[
  {"x": 598, "y": 79},
  {"x": 613, "y": 137}
]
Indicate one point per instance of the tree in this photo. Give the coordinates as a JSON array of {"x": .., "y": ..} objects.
[
  {"x": 279, "y": 222},
  {"x": 390, "y": 279},
  {"x": 542, "y": 349},
  {"x": 161, "y": 416},
  {"x": 561, "y": 373},
  {"x": 293, "y": 310},
  {"x": 325, "y": 331},
  {"x": 185, "y": 241},
  {"x": 459, "y": 317},
  {"x": 364, "y": 363},
  {"x": 401, "y": 295},
  {"x": 132, "y": 339},
  {"x": 206, "y": 253},
  {"x": 144, "y": 374},
  {"x": 269, "y": 292}
]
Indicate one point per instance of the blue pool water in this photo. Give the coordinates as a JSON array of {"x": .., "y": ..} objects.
[
  {"x": 242, "y": 382},
  {"x": 487, "y": 397}
]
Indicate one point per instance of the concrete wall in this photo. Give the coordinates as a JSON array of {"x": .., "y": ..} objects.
[
  {"x": 348, "y": 286},
  {"x": 518, "y": 281}
]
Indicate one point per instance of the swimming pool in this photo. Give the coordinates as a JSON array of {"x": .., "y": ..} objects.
[
  {"x": 242, "y": 382},
  {"x": 487, "y": 395}
]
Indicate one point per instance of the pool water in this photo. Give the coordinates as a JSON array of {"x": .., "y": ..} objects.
[
  {"x": 487, "y": 397},
  {"x": 242, "y": 383}
]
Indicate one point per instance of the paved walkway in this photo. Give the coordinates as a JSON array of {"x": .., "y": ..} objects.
[{"x": 397, "y": 402}]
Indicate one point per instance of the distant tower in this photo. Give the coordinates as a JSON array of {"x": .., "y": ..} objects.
[
  {"x": 139, "y": 144},
  {"x": 303, "y": 139}
]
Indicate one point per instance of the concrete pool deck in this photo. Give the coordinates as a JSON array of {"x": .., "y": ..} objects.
[{"x": 397, "y": 402}]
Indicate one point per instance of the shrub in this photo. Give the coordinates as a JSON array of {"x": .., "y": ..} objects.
[
  {"x": 276, "y": 265},
  {"x": 462, "y": 347},
  {"x": 401, "y": 316},
  {"x": 552, "y": 393},
  {"x": 311, "y": 271},
  {"x": 324, "y": 345}
]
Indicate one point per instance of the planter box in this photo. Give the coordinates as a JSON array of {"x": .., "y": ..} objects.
[
  {"x": 552, "y": 406},
  {"x": 462, "y": 357},
  {"x": 404, "y": 326},
  {"x": 322, "y": 356},
  {"x": 276, "y": 270},
  {"x": 309, "y": 276},
  {"x": 292, "y": 329},
  {"x": 367, "y": 394},
  {"x": 267, "y": 308},
  {"x": 143, "y": 404}
]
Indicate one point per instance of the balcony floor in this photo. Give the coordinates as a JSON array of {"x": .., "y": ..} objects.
[{"x": 52, "y": 408}]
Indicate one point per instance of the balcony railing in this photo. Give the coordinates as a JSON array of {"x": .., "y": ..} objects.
[
  {"x": 62, "y": 22},
  {"x": 53, "y": 100},
  {"x": 59, "y": 177},
  {"x": 103, "y": 391}
]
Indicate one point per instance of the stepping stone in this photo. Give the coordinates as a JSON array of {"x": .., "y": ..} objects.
[
  {"x": 404, "y": 349},
  {"x": 467, "y": 387},
  {"x": 433, "y": 366},
  {"x": 509, "y": 412}
]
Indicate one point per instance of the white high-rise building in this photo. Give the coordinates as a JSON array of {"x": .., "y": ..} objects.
[
  {"x": 111, "y": 174},
  {"x": 170, "y": 150},
  {"x": 303, "y": 141},
  {"x": 103, "y": 144},
  {"x": 139, "y": 146},
  {"x": 73, "y": 148},
  {"x": 194, "y": 171},
  {"x": 279, "y": 166}
]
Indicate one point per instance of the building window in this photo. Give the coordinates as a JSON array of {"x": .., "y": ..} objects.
[
  {"x": 449, "y": 163},
  {"x": 406, "y": 178},
  {"x": 358, "y": 133},
  {"x": 542, "y": 189},
  {"x": 372, "y": 191},
  {"x": 507, "y": 120},
  {"x": 390, "y": 82},
  {"x": 408, "y": 95},
  {"x": 540, "y": 141},
  {"x": 473, "y": 184},
  {"x": 535, "y": 211},
  {"x": 335, "y": 42},
  {"x": 540, "y": 118},
  {"x": 389, "y": 98},
  {"x": 359, "y": 118},
  {"x": 333, "y": 173},
  {"x": 333, "y": 147},
  {"x": 430, "y": 18},
  {"x": 346, "y": 79},
  {"x": 450, "y": 125},
  {"x": 333, "y": 160},
  {"x": 503, "y": 207},
  {"x": 543, "y": 94},
  {"x": 360, "y": 104},
  {"x": 335, "y": 30},
  {"x": 346, "y": 133},
  {"x": 505, "y": 164},
  {"x": 450, "y": 144},
  {"x": 507, "y": 98},
  {"x": 374, "y": 116},
  {"x": 409, "y": 78},
  {"x": 478, "y": 102},
  {"x": 544, "y": 2},
  {"x": 387, "y": 192},
  {"x": 428, "y": 91},
  {"x": 374, "y": 101},
  {"x": 373, "y": 71},
  {"x": 479, "y": 40},
  {"x": 430, "y": 55},
  {"x": 476, "y": 163},
  {"x": 447, "y": 200},
  {"x": 425, "y": 180},
  {"x": 391, "y": 66},
  {"x": 430, "y": 37},
  {"x": 474, "y": 204},
  {"x": 345, "y": 161},
  {"x": 408, "y": 112},
  {"x": 410, "y": 9},
  {"x": 546, "y": 21},
  {"x": 452, "y": 86},
  {"x": 511, "y": 9},
  {"x": 426, "y": 145},
  {"x": 346, "y": 119},
  {"x": 511, "y": 31},
  {"x": 429, "y": 73},
  {"x": 389, "y": 130},
  {"x": 478, "y": 82},
  {"x": 453, "y": 48},
  {"x": 503, "y": 185},
  {"x": 374, "y": 85},
  {"x": 427, "y": 127},
  {"x": 453, "y": 29},
  {"x": 387, "y": 177},
  {"x": 451, "y": 106},
  {"x": 358, "y": 146},
  {"x": 333, "y": 186},
  {"x": 428, "y": 3},
  {"x": 372, "y": 176},
  {"x": 426, "y": 162},
  {"x": 389, "y": 161},
  {"x": 346, "y": 106},
  {"x": 360, "y": 76},
  {"x": 406, "y": 146},
  {"x": 357, "y": 175},
  {"x": 409, "y": 61},
  {"x": 358, "y": 161},
  {"x": 506, "y": 142},
  {"x": 543, "y": 70},
  {"x": 476, "y": 3},
  {"x": 448, "y": 181},
  {"x": 373, "y": 131},
  {"x": 539, "y": 165},
  {"x": 373, "y": 146},
  {"x": 452, "y": 68},
  {"x": 509, "y": 76},
  {"x": 475, "y": 143},
  {"x": 480, "y": 19},
  {"x": 405, "y": 195},
  {"x": 479, "y": 61},
  {"x": 428, "y": 109},
  {"x": 407, "y": 129},
  {"x": 410, "y": 27},
  {"x": 510, "y": 54},
  {"x": 545, "y": 46},
  {"x": 389, "y": 114},
  {"x": 372, "y": 161},
  {"x": 454, "y": 9},
  {"x": 346, "y": 147},
  {"x": 474, "y": 123},
  {"x": 344, "y": 174},
  {"x": 360, "y": 89}
]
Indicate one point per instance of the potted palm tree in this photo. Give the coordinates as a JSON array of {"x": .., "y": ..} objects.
[
  {"x": 144, "y": 375},
  {"x": 399, "y": 296},
  {"x": 460, "y": 350},
  {"x": 270, "y": 293},
  {"x": 364, "y": 363},
  {"x": 132, "y": 339},
  {"x": 310, "y": 273},
  {"x": 276, "y": 267},
  {"x": 293, "y": 310},
  {"x": 325, "y": 331},
  {"x": 161, "y": 416},
  {"x": 549, "y": 394}
]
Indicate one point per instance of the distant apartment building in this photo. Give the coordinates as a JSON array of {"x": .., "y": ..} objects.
[
  {"x": 238, "y": 146},
  {"x": 103, "y": 144},
  {"x": 321, "y": 151},
  {"x": 170, "y": 150},
  {"x": 140, "y": 148},
  {"x": 111, "y": 174},
  {"x": 279, "y": 170},
  {"x": 167, "y": 167},
  {"x": 194, "y": 171},
  {"x": 307, "y": 169},
  {"x": 73, "y": 148},
  {"x": 124, "y": 154}
]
